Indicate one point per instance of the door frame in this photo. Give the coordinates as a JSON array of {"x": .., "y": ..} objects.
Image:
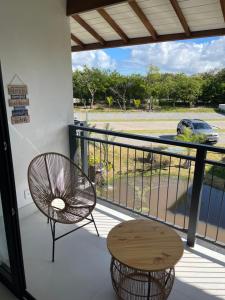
[{"x": 16, "y": 281}]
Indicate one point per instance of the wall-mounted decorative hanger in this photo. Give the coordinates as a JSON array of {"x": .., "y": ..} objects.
[{"x": 18, "y": 91}]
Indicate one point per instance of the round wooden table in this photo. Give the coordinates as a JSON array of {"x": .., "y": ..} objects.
[{"x": 144, "y": 254}]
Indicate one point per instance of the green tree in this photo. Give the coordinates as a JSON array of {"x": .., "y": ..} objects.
[
  {"x": 92, "y": 78},
  {"x": 119, "y": 86},
  {"x": 168, "y": 88},
  {"x": 153, "y": 84},
  {"x": 97, "y": 84},
  {"x": 79, "y": 89},
  {"x": 187, "y": 88},
  {"x": 136, "y": 87},
  {"x": 214, "y": 86}
]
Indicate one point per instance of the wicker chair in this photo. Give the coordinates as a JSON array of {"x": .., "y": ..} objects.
[{"x": 61, "y": 191}]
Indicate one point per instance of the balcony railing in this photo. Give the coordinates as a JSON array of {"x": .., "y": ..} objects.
[{"x": 178, "y": 183}]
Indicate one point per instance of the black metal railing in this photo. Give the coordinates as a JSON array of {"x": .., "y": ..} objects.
[{"x": 182, "y": 188}]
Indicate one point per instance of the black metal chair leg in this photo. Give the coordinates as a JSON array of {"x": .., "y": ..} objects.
[
  {"x": 48, "y": 219},
  {"x": 53, "y": 231},
  {"x": 53, "y": 244},
  {"x": 95, "y": 225}
]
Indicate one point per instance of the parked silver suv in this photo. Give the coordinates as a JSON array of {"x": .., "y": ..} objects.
[{"x": 198, "y": 127}]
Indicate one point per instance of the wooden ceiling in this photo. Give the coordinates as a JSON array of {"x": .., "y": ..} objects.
[{"x": 98, "y": 24}]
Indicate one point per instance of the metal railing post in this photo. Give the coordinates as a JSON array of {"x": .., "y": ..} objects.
[
  {"x": 196, "y": 195},
  {"x": 73, "y": 142},
  {"x": 84, "y": 149}
]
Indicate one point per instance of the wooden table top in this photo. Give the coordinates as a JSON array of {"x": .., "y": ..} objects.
[{"x": 145, "y": 245}]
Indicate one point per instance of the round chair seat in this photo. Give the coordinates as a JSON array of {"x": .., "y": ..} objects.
[
  {"x": 70, "y": 214},
  {"x": 60, "y": 189}
]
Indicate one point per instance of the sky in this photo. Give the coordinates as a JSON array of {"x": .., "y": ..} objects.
[{"x": 189, "y": 56}]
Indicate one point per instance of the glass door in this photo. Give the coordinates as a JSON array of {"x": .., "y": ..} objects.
[{"x": 11, "y": 258}]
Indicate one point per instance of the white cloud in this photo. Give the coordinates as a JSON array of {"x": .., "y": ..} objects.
[
  {"x": 188, "y": 57},
  {"x": 95, "y": 58},
  {"x": 191, "y": 57}
]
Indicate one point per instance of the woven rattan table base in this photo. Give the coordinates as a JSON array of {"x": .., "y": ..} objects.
[{"x": 131, "y": 284}]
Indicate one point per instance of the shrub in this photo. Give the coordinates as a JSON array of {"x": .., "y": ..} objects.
[
  {"x": 137, "y": 103},
  {"x": 93, "y": 161},
  {"x": 109, "y": 100}
]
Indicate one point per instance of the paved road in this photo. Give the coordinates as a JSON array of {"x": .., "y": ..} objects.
[
  {"x": 151, "y": 126},
  {"x": 98, "y": 116},
  {"x": 142, "y": 121}
]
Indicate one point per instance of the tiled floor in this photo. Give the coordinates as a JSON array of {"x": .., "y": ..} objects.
[{"x": 81, "y": 269}]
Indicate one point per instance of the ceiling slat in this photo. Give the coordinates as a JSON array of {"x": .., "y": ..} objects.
[
  {"x": 181, "y": 17},
  {"x": 222, "y": 3},
  {"x": 136, "y": 8},
  {"x": 76, "y": 6},
  {"x": 77, "y": 41},
  {"x": 133, "y": 22},
  {"x": 89, "y": 29},
  {"x": 149, "y": 39},
  {"x": 113, "y": 24}
]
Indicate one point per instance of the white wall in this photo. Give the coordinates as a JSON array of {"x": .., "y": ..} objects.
[{"x": 35, "y": 44}]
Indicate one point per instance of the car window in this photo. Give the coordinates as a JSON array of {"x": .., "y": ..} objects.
[
  {"x": 201, "y": 126},
  {"x": 188, "y": 124}
]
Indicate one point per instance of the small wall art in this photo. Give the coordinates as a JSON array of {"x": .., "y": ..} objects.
[{"x": 18, "y": 91}]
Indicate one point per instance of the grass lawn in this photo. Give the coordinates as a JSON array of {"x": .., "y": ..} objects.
[{"x": 157, "y": 109}]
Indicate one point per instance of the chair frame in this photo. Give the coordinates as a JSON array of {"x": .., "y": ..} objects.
[
  {"x": 52, "y": 221},
  {"x": 53, "y": 231}
]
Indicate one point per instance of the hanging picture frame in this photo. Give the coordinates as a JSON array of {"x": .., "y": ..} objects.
[{"x": 18, "y": 100}]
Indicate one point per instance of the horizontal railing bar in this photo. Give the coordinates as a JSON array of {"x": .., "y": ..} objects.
[
  {"x": 150, "y": 139},
  {"x": 214, "y": 162},
  {"x": 137, "y": 148}
]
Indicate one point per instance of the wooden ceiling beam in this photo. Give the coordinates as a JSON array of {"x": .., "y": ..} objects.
[
  {"x": 222, "y": 3},
  {"x": 77, "y": 41},
  {"x": 147, "y": 40},
  {"x": 87, "y": 27},
  {"x": 113, "y": 24},
  {"x": 77, "y": 6},
  {"x": 139, "y": 12},
  {"x": 181, "y": 17}
]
